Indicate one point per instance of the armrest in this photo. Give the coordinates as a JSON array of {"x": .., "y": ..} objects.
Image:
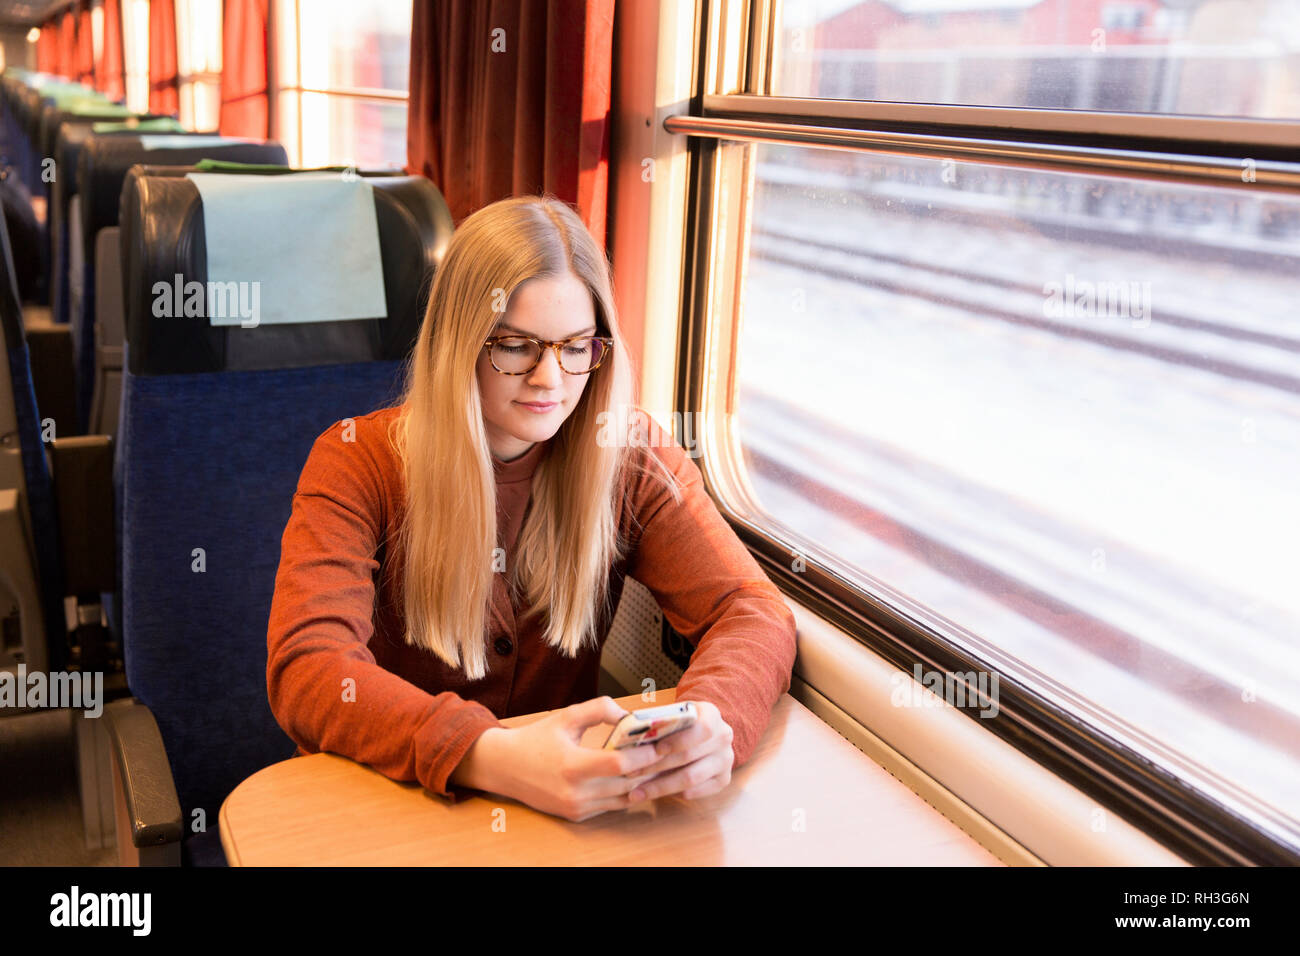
[
  {"x": 83, "y": 490},
  {"x": 54, "y": 375},
  {"x": 148, "y": 809}
]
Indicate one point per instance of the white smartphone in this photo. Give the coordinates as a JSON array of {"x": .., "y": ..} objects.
[{"x": 651, "y": 724}]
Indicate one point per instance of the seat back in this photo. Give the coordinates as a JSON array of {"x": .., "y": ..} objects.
[
  {"x": 24, "y": 233},
  {"x": 103, "y": 165},
  {"x": 70, "y": 132},
  {"x": 216, "y": 424}
]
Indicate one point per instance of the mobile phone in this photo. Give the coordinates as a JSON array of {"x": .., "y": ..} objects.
[{"x": 651, "y": 724}]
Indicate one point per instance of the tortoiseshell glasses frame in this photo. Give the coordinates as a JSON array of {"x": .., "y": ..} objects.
[{"x": 606, "y": 344}]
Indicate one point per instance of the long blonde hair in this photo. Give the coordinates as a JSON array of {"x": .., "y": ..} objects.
[{"x": 570, "y": 537}]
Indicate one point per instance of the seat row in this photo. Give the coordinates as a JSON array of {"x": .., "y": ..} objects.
[{"x": 224, "y": 314}]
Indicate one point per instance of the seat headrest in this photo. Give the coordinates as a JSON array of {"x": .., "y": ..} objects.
[
  {"x": 52, "y": 118},
  {"x": 163, "y": 235},
  {"x": 134, "y": 124},
  {"x": 105, "y": 161},
  {"x": 68, "y": 134}
]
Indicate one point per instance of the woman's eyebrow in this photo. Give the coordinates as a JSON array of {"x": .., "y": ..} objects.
[{"x": 511, "y": 328}]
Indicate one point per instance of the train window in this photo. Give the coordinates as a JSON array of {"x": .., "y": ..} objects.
[
  {"x": 342, "y": 76},
  {"x": 1018, "y": 401},
  {"x": 198, "y": 63},
  {"x": 1073, "y": 436},
  {"x": 135, "y": 53},
  {"x": 1142, "y": 56}
]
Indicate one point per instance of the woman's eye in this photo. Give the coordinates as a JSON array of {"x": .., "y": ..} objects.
[{"x": 512, "y": 349}]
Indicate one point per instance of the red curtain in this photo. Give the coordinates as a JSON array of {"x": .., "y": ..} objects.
[
  {"x": 163, "y": 97},
  {"x": 243, "y": 69},
  {"x": 68, "y": 45},
  {"x": 108, "y": 76},
  {"x": 85, "y": 45},
  {"x": 47, "y": 48},
  {"x": 512, "y": 97}
]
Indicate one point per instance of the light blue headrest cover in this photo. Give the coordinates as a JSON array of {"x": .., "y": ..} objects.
[{"x": 302, "y": 247}]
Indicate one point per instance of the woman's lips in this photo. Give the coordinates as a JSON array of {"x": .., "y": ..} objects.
[{"x": 538, "y": 407}]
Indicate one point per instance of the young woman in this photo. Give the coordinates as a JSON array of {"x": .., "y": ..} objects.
[{"x": 457, "y": 558}]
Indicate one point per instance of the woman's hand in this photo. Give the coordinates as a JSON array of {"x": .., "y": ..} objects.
[
  {"x": 544, "y": 765},
  {"x": 701, "y": 754}
]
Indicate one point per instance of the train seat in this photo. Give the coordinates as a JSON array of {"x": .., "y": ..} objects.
[
  {"x": 47, "y": 174},
  {"x": 41, "y": 107},
  {"x": 71, "y": 132},
  {"x": 97, "y": 323},
  {"x": 25, "y": 236},
  {"x": 216, "y": 423}
]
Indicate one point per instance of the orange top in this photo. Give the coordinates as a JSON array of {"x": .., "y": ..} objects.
[{"x": 410, "y": 716}]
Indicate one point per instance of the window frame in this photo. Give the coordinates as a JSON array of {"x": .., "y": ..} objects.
[{"x": 731, "y": 103}]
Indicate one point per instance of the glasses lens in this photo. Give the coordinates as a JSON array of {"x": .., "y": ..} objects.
[
  {"x": 514, "y": 355},
  {"x": 582, "y": 355}
]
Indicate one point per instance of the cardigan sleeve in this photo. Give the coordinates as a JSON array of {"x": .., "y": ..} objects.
[
  {"x": 714, "y": 594},
  {"x": 326, "y": 690}
]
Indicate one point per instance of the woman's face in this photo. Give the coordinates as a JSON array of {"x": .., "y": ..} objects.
[{"x": 549, "y": 310}]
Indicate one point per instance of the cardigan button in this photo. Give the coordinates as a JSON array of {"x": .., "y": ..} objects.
[{"x": 503, "y": 646}]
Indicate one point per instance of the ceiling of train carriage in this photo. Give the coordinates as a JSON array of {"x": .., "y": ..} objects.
[{"x": 28, "y": 13}]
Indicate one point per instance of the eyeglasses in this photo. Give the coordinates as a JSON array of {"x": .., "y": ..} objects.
[{"x": 519, "y": 354}]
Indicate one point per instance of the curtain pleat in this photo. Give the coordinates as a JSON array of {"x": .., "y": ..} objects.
[
  {"x": 243, "y": 71},
  {"x": 512, "y": 97},
  {"x": 68, "y": 45},
  {"x": 109, "y": 78},
  {"x": 163, "y": 95},
  {"x": 85, "y": 45},
  {"x": 47, "y": 48}
]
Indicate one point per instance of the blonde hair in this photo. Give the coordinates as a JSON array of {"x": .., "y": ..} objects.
[{"x": 570, "y": 537}]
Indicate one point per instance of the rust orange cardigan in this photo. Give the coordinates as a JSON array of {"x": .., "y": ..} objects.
[{"x": 337, "y": 615}]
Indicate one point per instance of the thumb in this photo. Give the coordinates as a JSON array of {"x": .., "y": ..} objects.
[{"x": 598, "y": 710}]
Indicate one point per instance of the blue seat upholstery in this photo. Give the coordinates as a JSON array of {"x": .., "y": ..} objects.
[{"x": 216, "y": 425}]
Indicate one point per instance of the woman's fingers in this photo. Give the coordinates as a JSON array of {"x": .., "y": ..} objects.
[
  {"x": 708, "y": 787},
  {"x": 694, "y": 775},
  {"x": 600, "y": 788},
  {"x": 681, "y": 753},
  {"x": 696, "y": 762},
  {"x": 604, "y": 806}
]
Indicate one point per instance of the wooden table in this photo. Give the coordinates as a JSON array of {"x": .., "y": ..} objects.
[{"x": 807, "y": 797}]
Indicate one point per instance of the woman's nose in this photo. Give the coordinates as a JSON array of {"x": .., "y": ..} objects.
[{"x": 547, "y": 371}]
